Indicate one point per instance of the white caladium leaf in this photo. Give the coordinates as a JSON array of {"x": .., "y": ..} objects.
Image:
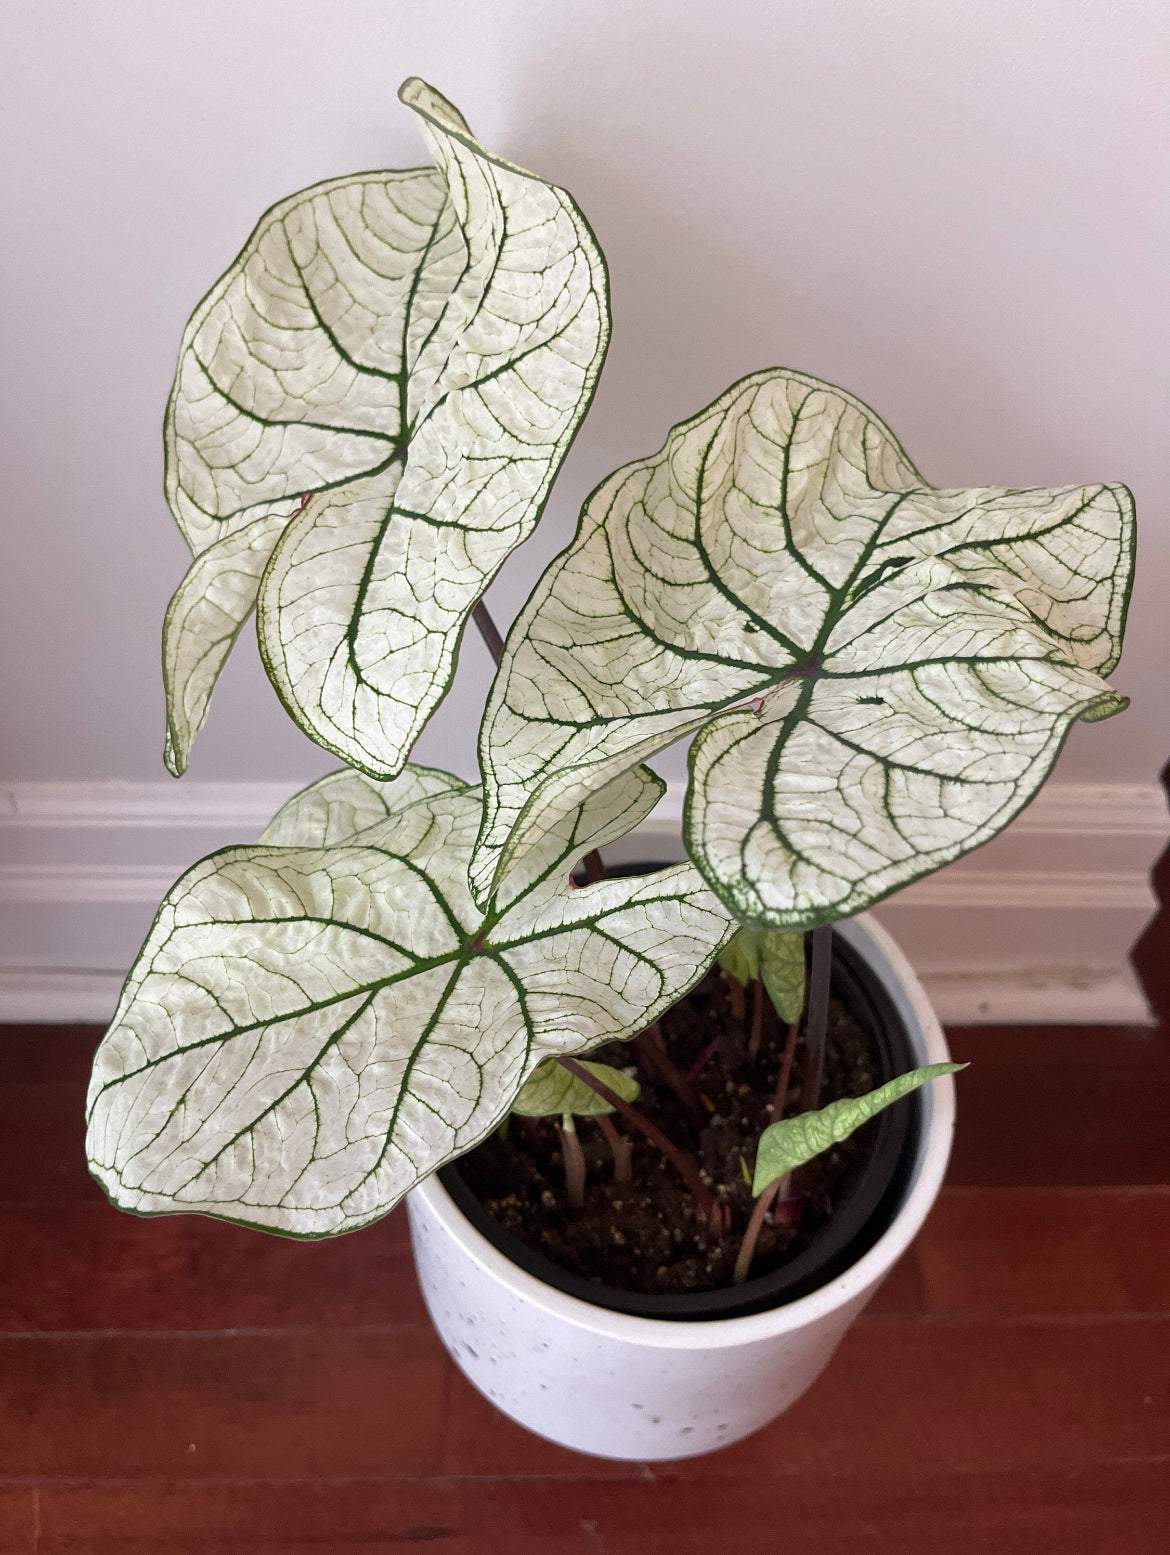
[
  {"x": 880, "y": 674},
  {"x": 202, "y": 623},
  {"x": 552, "y": 1092},
  {"x": 786, "y": 1145},
  {"x": 409, "y": 354},
  {"x": 309, "y": 1031},
  {"x": 343, "y": 804}
]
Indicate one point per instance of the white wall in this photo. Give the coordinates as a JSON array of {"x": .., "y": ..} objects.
[{"x": 959, "y": 209}]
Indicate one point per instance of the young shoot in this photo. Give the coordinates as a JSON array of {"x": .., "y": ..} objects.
[
  {"x": 574, "y": 1159},
  {"x": 792, "y": 1142},
  {"x": 712, "y": 1211},
  {"x": 769, "y": 961},
  {"x": 621, "y": 1147},
  {"x": 552, "y": 1090}
]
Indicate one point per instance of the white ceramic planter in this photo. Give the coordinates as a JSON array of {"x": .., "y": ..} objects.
[{"x": 618, "y": 1386}]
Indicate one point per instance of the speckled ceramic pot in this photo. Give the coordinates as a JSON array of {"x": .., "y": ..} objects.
[{"x": 620, "y": 1386}]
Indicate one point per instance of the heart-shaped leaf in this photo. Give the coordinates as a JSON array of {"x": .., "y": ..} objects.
[
  {"x": 409, "y": 354},
  {"x": 550, "y": 1091},
  {"x": 310, "y": 1031},
  {"x": 880, "y": 674},
  {"x": 785, "y": 1146}
]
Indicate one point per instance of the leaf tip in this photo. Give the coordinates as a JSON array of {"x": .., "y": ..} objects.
[
  {"x": 1107, "y": 706},
  {"x": 426, "y": 100},
  {"x": 174, "y": 756}
]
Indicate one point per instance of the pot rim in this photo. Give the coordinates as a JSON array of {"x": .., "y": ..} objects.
[{"x": 885, "y": 959}]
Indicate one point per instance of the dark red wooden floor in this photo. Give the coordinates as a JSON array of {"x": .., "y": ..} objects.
[{"x": 181, "y": 1386}]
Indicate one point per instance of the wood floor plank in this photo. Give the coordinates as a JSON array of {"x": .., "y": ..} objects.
[
  {"x": 18, "y": 1519},
  {"x": 1015, "y": 1252},
  {"x": 186, "y": 1406},
  {"x": 31, "y": 1055},
  {"x": 87, "y": 1266},
  {"x": 970, "y": 1515},
  {"x": 276, "y": 1515},
  {"x": 977, "y": 1397},
  {"x": 903, "y": 1292},
  {"x": 1120, "y": 1510},
  {"x": 42, "y": 1145},
  {"x": 1045, "y": 1106},
  {"x": 478, "y": 1439},
  {"x": 906, "y": 1395}
]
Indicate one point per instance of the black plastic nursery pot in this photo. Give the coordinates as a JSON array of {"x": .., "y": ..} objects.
[{"x": 864, "y": 1213}]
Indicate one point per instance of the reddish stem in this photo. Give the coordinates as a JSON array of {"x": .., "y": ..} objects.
[
  {"x": 714, "y": 1213},
  {"x": 529, "y": 1133},
  {"x": 735, "y": 994},
  {"x": 757, "y": 1019},
  {"x": 747, "y": 1248},
  {"x": 488, "y": 630},
  {"x": 649, "y": 1043},
  {"x": 621, "y": 1148},
  {"x": 785, "y": 1074},
  {"x": 701, "y": 1062},
  {"x": 817, "y": 1022}
]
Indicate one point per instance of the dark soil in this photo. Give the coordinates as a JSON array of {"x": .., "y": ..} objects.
[{"x": 645, "y": 1235}]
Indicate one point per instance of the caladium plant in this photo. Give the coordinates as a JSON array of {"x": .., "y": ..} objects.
[{"x": 369, "y": 411}]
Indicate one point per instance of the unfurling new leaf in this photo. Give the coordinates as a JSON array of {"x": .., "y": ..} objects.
[
  {"x": 785, "y": 1146},
  {"x": 369, "y": 409},
  {"x": 550, "y": 1091},
  {"x": 741, "y": 957},
  {"x": 776, "y": 957}
]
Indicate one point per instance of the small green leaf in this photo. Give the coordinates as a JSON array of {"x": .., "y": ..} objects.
[
  {"x": 741, "y": 958},
  {"x": 782, "y": 968},
  {"x": 776, "y": 957},
  {"x": 551, "y": 1089},
  {"x": 785, "y": 1146}
]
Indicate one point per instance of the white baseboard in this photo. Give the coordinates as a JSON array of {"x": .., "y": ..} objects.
[
  {"x": 1035, "y": 927},
  {"x": 57, "y": 995},
  {"x": 1060, "y": 996}
]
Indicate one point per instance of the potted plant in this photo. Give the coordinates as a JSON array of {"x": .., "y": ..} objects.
[{"x": 369, "y": 410}]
